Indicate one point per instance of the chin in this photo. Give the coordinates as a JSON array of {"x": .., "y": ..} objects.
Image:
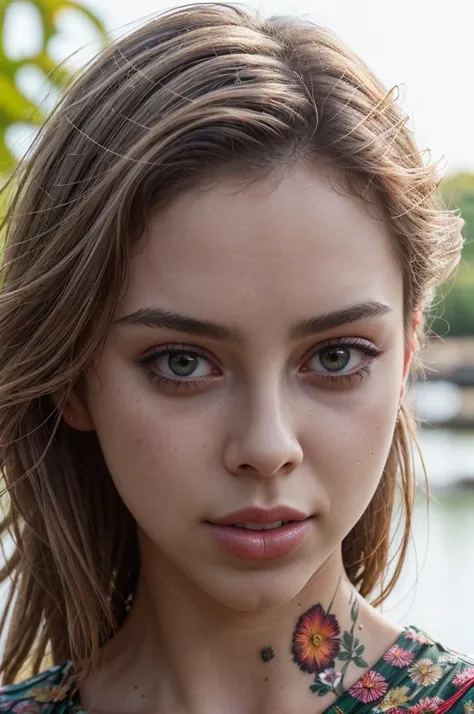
[{"x": 257, "y": 590}]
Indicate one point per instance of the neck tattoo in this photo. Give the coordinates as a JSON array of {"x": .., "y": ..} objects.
[
  {"x": 320, "y": 649},
  {"x": 266, "y": 654}
]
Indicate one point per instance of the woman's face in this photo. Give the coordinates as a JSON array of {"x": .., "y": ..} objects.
[{"x": 256, "y": 360}]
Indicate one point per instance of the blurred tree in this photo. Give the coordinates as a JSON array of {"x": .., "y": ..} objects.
[
  {"x": 455, "y": 315},
  {"x": 15, "y": 107},
  {"x": 458, "y": 191}
]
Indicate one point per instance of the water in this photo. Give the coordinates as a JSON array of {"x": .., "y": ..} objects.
[
  {"x": 448, "y": 456},
  {"x": 436, "y": 590}
]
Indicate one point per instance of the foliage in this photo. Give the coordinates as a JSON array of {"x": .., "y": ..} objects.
[
  {"x": 14, "y": 105},
  {"x": 458, "y": 192},
  {"x": 455, "y": 314}
]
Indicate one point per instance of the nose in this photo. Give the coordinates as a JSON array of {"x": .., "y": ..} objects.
[{"x": 264, "y": 443}]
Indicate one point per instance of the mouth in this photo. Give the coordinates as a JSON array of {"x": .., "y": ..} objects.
[
  {"x": 255, "y": 518},
  {"x": 259, "y": 535},
  {"x": 260, "y": 526}
]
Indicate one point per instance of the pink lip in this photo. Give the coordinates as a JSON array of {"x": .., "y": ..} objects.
[
  {"x": 262, "y": 516},
  {"x": 261, "y": 545}
]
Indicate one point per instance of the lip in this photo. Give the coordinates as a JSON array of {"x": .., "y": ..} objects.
[
  {"x": 261, "y": 516},
  {"x": 261, "y": 545}
]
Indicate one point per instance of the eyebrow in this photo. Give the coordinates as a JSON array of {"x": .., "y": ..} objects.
[{"x": 155, "y": 317}]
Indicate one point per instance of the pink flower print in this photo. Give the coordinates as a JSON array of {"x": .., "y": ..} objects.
[
  {"x": 428, "y": 705},
  {"x": 464, "y": 676},
  {"x": 370, "y": 687},
  {"x": 398, "y": 657},
  {"x": 420, "y": 637}
]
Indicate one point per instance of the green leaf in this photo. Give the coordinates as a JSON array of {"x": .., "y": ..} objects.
[
  {"x": 7, "y": 161},
  {"x": 347, "y": 640},
  {"x": 354, "y": 611},
  {"x": 14, "y": 106},
  {"x": 360, "y": 650},
  {"x": 360, "y": 662},
  {"x": 344, "y": 656},
  {"x": 320, "y": 688}
]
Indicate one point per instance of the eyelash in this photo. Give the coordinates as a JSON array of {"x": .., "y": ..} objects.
[
  {"x": 368, "y": 348},
  {"x": 149, "y": 359}
]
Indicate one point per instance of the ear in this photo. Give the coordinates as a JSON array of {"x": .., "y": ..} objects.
[{"x": 74, "y": 409}]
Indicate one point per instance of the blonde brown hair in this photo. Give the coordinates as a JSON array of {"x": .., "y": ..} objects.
[{"x": 202, "y": 90}]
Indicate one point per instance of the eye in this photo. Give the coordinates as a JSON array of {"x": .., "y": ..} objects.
[
  {"x": 337, "y": 358},
  {"x": 178, "y": 366},
  {"x": 343, "y": 358}
]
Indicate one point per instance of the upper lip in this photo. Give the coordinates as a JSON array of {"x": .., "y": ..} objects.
[{"x": 262, "y": 516}]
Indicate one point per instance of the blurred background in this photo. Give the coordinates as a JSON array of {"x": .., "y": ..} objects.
[{"x": 425, "y": 47}]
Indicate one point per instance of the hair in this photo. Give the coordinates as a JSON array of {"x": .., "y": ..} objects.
[{"x": 200, "y": 91}]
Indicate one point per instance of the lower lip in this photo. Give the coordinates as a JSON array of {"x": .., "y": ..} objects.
[{"x": 261, "y": 545}]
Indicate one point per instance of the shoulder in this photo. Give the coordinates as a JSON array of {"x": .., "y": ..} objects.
[{"x": 44, "y": 693}]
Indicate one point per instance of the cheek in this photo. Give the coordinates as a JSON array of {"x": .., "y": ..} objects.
[
  {"x": 153, "y": 453},
  {"x": 353, "y": 446}
]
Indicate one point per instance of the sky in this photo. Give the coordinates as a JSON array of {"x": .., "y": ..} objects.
[{"x": 424, "y": 46}]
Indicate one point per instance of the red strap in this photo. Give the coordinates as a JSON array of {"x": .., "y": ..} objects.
[{"x": 446, "y": 706}]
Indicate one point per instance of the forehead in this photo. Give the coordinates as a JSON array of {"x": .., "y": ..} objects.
[{"x": 276, "y": 247}]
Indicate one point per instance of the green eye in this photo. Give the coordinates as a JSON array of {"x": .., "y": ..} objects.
[
  {"x": 183, "y": 364},
  {"x": 335, "y": 358}
]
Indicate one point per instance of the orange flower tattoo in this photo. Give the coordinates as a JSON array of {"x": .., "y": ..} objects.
[{"x": 316, "y": 641}]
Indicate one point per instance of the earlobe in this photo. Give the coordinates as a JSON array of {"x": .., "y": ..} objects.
[{"x": 74, "y": 410}]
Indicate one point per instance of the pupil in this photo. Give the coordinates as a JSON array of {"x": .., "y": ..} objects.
[
  {"x": 335, "y": 358},
  {"x": 182, "y": 364}
]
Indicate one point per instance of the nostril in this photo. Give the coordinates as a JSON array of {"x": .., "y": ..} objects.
[{"x": 286, "y": 468}]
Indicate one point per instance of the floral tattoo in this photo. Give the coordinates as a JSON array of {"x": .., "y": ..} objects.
[{"x": 318, "y": 643}]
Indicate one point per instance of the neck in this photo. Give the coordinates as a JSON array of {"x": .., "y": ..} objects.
[{"x": 181, "y": 651}]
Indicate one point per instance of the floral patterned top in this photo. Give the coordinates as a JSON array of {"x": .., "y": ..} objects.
[{"x": 415, "y": 676}]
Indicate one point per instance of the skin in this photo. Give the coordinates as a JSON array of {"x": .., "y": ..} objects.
[{"x": 266, "y": 427}]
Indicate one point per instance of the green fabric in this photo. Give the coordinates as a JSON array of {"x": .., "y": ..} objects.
[{"x": 415, "y": 676}]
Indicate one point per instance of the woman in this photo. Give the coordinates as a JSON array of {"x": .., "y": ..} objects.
[{"x": 216, "y": 268}]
